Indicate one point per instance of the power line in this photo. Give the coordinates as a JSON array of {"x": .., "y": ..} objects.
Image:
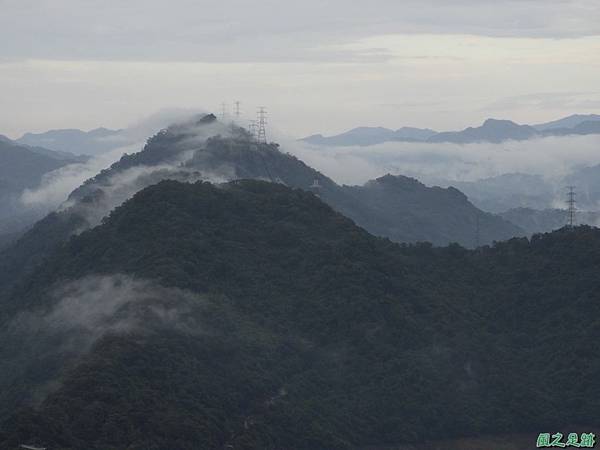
[{"x": 237, "y": 109}]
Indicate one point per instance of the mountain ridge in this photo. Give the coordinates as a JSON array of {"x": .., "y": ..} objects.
[
  {"x": 93, "y": 142},
  {"x": 232, "y": 154},
  {"x": 492, "y": 130}
]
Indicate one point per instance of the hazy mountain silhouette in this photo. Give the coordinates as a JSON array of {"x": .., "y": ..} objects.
[
  {"x": 22, "y": 167},
  {"x": 97, "y": 141},
  {"x": 567, "y": 122},
  {"x": 546, "y": 220},
  {"x": 507, "y": 191},
  {"x": 586, "y": 181},
  {"x": 371, "y": 135},
  {"x": 583, "y": 128},
  {"x": 492, "y": 130}
]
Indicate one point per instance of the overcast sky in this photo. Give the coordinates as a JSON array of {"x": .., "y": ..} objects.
[{"x": 318, "y": 65}]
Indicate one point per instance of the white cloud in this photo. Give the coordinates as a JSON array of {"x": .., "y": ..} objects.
[
  {"x": 58, "y": 184},
  {"x": 265, "y": 30},
  {"x": 551, "y": 157},
  {"x": 321, "y": 66}
]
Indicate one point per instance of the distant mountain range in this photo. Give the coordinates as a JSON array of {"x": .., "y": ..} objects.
[
  {"x": 102, "y": 140},
  {"x": 372, "y": 135},
  {"x": 76, "y": 141},
  {"x": 492, "y": 130}
]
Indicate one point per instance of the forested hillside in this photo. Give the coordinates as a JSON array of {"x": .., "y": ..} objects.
[{"x": 252, "y": 315}]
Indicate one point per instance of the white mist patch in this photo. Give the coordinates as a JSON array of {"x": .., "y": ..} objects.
[
  {"x": 113, "y": 303},
  {"x": 121, "y": 184},
  {"x": 56, "y": 186},
  {"x": 84, "y": 310},
  {"x": 148, "y": 126},
  {"x": 550, "y": 157},
  {"x": 75, "y": 315}
]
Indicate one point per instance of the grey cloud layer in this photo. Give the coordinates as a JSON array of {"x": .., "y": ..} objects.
[{"x": 237, "y": 30}]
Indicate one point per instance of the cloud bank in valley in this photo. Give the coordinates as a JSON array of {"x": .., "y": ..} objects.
[
  {"x": 551, "y": 157},
  {"x": 58, "y": 184}
]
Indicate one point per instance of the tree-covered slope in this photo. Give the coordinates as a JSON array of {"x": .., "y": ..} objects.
[
  {"x": 406, "y": 210},
  {"x": 251, "y": 315}
]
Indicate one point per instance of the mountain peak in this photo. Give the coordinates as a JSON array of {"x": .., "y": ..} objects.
[
  {"x": 491, "y": 122},
  {"x": 492, "y": 130},
  {"x": 398, "y": 181}
]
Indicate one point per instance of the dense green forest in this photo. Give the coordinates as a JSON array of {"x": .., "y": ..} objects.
[{"x": 252, "y": 315}]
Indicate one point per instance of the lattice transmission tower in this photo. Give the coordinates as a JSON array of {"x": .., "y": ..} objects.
[{"x": 261, "y": 134}]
